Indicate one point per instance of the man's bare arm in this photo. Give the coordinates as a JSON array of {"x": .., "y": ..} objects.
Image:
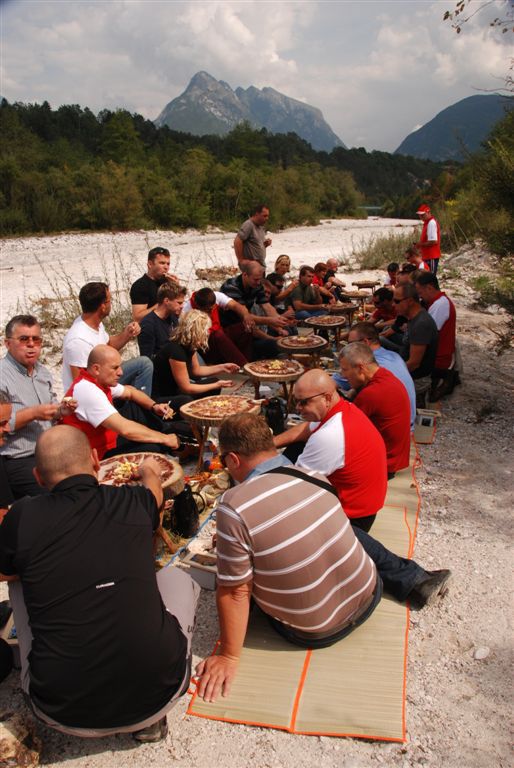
[
  {"x": 300, "y": 432},
  {"x": 416, "y": 352},
  {"x": 138, "y": 432},
  {"x": 238, "y": 248}
]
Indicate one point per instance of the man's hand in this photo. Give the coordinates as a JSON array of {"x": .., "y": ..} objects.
[
  {"x": 216, "y": 674},
  {"x": 67, "y": 406},
  {"x": 133, "y": 329},
  {"x": 249, "y": 323},
  {"x": 171, "y": 441},
  {"x": 46, "y": 412},
  {"x": 278, "y": 321},
  {"x": 267, "y": 242},
  {"x": 149, "y": 465},
  {"x": 161, "y": 409}
]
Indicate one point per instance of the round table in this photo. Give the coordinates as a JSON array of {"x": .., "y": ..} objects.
[
  {"x": 327, "y": 323},
  {"x": 360, "y": 296},
  {"x": 286, "y": 379},
  {"x": 201, "y": 424},
  {"x": 311, "y": 345},
  {"x": 347, "y": 309},
  {"x": 171, "y": 486},
  {"x": 367, "y": 284}
]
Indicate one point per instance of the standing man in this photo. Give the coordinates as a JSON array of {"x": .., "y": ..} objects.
[
  {"x": 251, "y": 242},
  {"x": 383, "y": 399},
  {"x": 88, "y": 331},
  {"x": 105, "y": 645},
  {"x": 430, "y": 240},
  {"x": 34, "y": 405},
  {"x": 143, "y": 292},
  {"x": 420, "y": 340},
  {"x": 157, "y": 325}
]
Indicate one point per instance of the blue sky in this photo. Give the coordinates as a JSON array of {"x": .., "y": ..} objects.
[{"x": 377, "y": 69}]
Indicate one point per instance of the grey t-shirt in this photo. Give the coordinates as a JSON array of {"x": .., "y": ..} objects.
[
  {"x": 422, "y": 330},
  {"x": 253, "y": 237}
]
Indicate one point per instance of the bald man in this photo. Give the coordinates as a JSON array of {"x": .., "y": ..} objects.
[
  {"x": 338, "y": 440},
  {"x": 384, "y": 400},
  {"x": 105, "y": 645},
  {"x": 107, "y": 430}
]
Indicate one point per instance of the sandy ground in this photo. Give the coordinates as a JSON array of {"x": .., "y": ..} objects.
[{"x": 460, "y": 651}]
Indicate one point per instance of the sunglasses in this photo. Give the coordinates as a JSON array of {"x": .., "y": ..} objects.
[
  {"x": 398, "y": 301},
  {"x": 37, "y": 340},
  {"x": 304, "y": 400}
]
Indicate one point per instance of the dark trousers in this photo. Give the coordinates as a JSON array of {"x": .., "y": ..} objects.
[
  {"x": 133, "y": 412},
  {"x": 20, "y": 477},
  {"x": 223, "y": 350}
]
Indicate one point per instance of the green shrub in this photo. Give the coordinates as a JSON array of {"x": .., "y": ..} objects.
[
  {"x": 496, "y": 290},
  {"x": 381, "y": 250}
]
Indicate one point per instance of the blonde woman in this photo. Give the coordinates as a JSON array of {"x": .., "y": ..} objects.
[
  {"x": 279, "y": 292},
  {"x": 177, "y": 370}
]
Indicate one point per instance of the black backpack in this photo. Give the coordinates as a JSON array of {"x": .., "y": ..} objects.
[
  {"x": 275, "y": 413},
  {"x": 185, "y": 518}
]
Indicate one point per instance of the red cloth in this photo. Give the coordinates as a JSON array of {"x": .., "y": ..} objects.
[
  {"x": 362, "y": 483},
  {"x": 431, "y": 251},
  {"x": 385, "y": 402},
  {"x": 99, "y": 437},
  {"x": 383, "y": 314},
  {"x": 317, "y": 280},
  {"x": 446, "y": 341},
  {"x": 214, "y": 314}
]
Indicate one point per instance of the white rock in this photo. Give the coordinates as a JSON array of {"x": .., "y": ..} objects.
[{"x": 481, "y": 653}]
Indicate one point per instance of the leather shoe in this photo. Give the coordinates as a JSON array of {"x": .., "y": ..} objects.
[
  {"x": 152, "y": 733},
  {"x": 431, "y": 586}
]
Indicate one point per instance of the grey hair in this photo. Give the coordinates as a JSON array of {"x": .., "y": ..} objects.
[{"x": 356, "y": 353}]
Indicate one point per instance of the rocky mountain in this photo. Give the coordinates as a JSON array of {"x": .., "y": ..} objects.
[
  {"x": 457, "y": 130},
  {"x": 211, "y": 106}
]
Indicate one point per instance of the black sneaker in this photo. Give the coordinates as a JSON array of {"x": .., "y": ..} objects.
[
  {"x": 432, "y": 586},
  {"x": 152, "y": 733}
]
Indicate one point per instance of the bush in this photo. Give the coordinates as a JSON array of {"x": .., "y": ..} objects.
[
  {"x": 497, "y": 290},
  {"x": 380, "y": 251}
]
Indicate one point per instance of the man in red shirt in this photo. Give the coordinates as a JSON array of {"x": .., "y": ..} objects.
[
  {"x": 384, "y": 400},
  {"x": 430, "y": 240}
]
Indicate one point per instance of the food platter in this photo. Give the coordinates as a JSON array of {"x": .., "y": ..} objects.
[
  {"x": 210, "y": 411},
  {"x": 274, "y": 370},
  {"x": 121, "y": 470},
  {"x": 325, "y": 320},
  {"x": 302, "y": 343}
]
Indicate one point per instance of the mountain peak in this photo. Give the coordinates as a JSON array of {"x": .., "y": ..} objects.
[{"x": 211, "y": 106}]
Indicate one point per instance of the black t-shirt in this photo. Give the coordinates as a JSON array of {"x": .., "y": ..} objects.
[
  {"x": 144, "y": 290},
  {"x": 155, "y": 333},
  {"x": 422, "y": 330},
  {"x": 105, "y": 651},
  {"x": 235, "y": 290},
  {"x": 164, "y": 384}
]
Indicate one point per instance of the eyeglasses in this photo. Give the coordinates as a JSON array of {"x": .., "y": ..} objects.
[
  {"x": 304, "y": 400},
  {"x": 36, "y": 340},
  {"x": 398, "y": 301}
]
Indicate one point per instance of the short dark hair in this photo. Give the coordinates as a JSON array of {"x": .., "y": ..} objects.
[
  {"x": 157, "y": 251},
  {"x": 428, "y": 278},
  {"x": 205, "y": 298},
  {"x": 412, "y": 251},
  {"x": 305, "y": 269},
  {"x": 92, "y": 296},
  {"x": 320, "y": 267},
  {"x": 170, "y": 290},
  {"x": 29, "y": 320},
  {"x": 407, "y": 268},
  {"x": 5, "y": 398},
  {"x": 365, "y": 331},
  {"x": 383, "y": 294},
  {"x": 393, "y": 267},
  {"x": 259, "y": 208},
  {"x": 408, "y": 291},
  {"x": 275, "y": 279},
  {"x": 245, "y": 433}
]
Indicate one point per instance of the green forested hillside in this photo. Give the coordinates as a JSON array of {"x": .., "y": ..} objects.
[{"x": 69, "y": 169}]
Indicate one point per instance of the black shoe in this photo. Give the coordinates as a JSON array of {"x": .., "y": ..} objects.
[
  {"x": 426, "y": 591},
  {"x": 152, "y": 733}
]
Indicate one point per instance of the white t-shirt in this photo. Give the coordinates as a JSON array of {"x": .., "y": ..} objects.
[
  {"x": 325, "y": 450},
  {"x": 93, "y": 405},
  {"x": 221, "y": 300},
  {"x": 439, "y": 311},
  {"x": 78, "y": 343},
  {"x": 432, "y": 230}
]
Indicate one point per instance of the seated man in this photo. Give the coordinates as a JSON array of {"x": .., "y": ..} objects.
[
  {"x": 384, "y": 400},
  {"x": 105, "y": 645},
  {"x": 284, "y": 541},
  {"x": 331, "y": 281},
  {"x": 340, "y": 441},
  {"x": 157, "y": 325},
  {"x": 6, "y": 496},
  {"x": 392, "y": 272},
  {"x": 305, "y": 298},
  {"x": 320, "y": 272},
  {"x": 420, "y": 341},
  {"x": 221, "y": 348},
  {"x": 442, "y": 310},
  {"x": 413, "y": 257},
  {"x": 88, "y": 330},
  {"x": 30, "y": 389},
  {"x": 246, "y": 289},
  {"x": 107, "y": 430},
  {"x": 384, "y": 311},
  {"x": 143, "y": 292},
  {"x": 386, "y": 358}
]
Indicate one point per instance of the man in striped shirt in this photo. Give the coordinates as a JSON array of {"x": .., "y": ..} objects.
[{"x": 283, "y": 539}]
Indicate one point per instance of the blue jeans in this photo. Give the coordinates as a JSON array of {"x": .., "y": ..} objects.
[
  {"x": 303, "y": 314},
  {"x": 399, "y": 575},
  {"x": 138, "y": 372}
]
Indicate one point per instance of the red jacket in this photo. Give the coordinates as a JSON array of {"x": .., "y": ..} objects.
[
  {"x": 99, "y": 437},
  {"x": 431, "y": 251}
]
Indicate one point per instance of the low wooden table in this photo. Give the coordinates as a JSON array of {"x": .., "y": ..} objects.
[
  {"x": 347, "y": 309},
  {"x": 311, "y": 345},
  {"x": 200, "y": 425},
  {"x": 363, "y": 284},
  {"x": 172, "y": 485},
  {"x": 328, "y": 323},
  {"x": 286, "y": 379},
  {"x": 359, "y": 296}
]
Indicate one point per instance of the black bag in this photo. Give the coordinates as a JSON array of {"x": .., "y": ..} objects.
[
  {"x": 185, "y": 519},
  {"x": 275, "y": 413}
]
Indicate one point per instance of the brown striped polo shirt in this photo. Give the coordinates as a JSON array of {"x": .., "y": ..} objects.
[{"x": 294, "y": 541}]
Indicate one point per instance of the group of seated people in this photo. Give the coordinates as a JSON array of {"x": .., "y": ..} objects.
[{"x": 83, "y": 552}]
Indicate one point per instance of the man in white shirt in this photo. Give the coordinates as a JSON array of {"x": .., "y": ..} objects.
[{"x": 88, "y": 331}]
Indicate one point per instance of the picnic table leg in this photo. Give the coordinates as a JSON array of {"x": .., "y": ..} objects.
[
  {"x": 201, "y": 434},
  {"x": 256, "y": 387}
]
